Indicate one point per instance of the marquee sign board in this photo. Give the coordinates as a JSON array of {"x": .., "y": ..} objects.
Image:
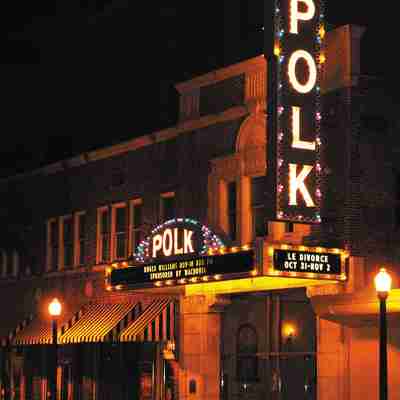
[
  {"x": 181, "y": 251},
  {"x": 294, "y": 50},
  {"x": 307, "y": 262},
  {"x": 297, "y": 261},
  {"x": 184, "y": 271}
]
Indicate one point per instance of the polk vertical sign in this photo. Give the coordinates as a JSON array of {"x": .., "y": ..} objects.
[{"x": 294, "y": 37}]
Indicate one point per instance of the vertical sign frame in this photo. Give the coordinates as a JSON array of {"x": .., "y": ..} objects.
[{"x": 294, "y": 34}]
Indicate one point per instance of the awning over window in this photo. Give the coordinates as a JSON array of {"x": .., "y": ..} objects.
[
  {"x": 155, "y": 324},
  {"x": 37, "y": 330},
  {"x": 100, "y": 322}
]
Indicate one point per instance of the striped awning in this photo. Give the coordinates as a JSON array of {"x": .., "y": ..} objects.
[
  {"x": 100, "y": 322},
  {"x": 37, "y": 329},
  {"x": 155, "y": 324}
]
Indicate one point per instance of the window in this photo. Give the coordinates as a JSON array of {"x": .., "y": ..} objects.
[
  {"x": 232, "y": 210},
  {"x": 120, "y": 241},
  {"x": 104, "y": 238},
  {"x": 112, "y": 233},
  {"x": 136, "y": 224},
  {"x": 259, "y": 222},
  {"x": 80, "y": 234},
  {"x": 246, "y": 349},
  {"x": 52, "y": 244},
  {"x": 289, "y": 227},
  {"x": 68, "y": 241},
  {"x": 168, "y": 206}
]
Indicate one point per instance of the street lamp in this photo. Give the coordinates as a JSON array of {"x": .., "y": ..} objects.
[
  {"x": 383, "y": 283},
  {"x": 54, "y": 311}
]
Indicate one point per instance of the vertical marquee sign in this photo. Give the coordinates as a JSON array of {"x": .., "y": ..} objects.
[{"x": 294, "y": 51}]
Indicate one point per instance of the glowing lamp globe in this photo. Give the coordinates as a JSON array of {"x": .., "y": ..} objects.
[
  {"x": 383, "y": 282},
  {"x": 55, "y": 308}
]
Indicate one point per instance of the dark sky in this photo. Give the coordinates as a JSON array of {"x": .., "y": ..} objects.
[{"x": 76, "y": 75}]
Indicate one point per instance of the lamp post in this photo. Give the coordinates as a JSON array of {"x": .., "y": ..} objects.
[
  {"x": 383, "y": 283},
  {"x": 55, "y": 312}
]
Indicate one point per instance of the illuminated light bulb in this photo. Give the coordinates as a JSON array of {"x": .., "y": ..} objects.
[
  {"x": 284, "y": 246},
  {"x": 280, "y": 214},
  {"x": 205, "y": 278},
  {"x": 217, "y": 277},
  {"x": 124, "y": 264},
  {"x": 383, "y": 281},
  {"x": 234, "y": 249},
  {"x": 115, "y": 265},
  {"x": 118, "y": 287},
  {"x": 280, "y": 163},
  {"x": 182, "y": 280},
  {"x": 280, "y": 137},
  {"x": 246, "y": 247},
  {"x": 108, "y": 288},
  {"x": 254, "y": 272},
  {"x": 158, "y": 284},
  {"x": 194, "y": 279},
  {"x": 321, "y": 31},
  {"x": 302, "y": 248},
  {"x": 169, "y": 282},
  {"x": 319, "y": 249},
  {"x": 270, "y": 251},
  {"x": 322, "y": 58},
  {"x": 318, "y": 116},
  {"x": 108, "y": 270},
  {"x": 277, "y": 50},
  {"x": 318, "y": 193},
  {"x": 280, "y": 110},
  {"x": 336, "y": 251},
  {"x": 222, "y": 250},
  {"x": 55, "y": 308}
]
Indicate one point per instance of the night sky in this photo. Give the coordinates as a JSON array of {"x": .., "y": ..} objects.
[{"x": 77, "y": 75}]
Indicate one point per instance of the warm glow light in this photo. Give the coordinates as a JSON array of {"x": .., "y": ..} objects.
[
  {"x": 169, "y": 283},
  {"x": 108, "y": 270},
  {"x": 297, "y": 143},
  {"x": 108, "y": 288},
  {"x": 270, "y": 251},
  {"x": 115, "y": 265},
  {"x": 297, "y": 183},
  {"x": 246, "y": 247},
  {"x": 55, "y": 308},
  {"x": 254, "y": 272},
  {"x": 124, "y": 264},
  {"x": 321, "y": 32},
  {"x": 217, "y": 277},
  {"x": 322, "y": 58},
  {"x": 277, "y": 50},
  {"x": 383, "y": 281},
  {"x": 288, "y": 330},
  {"x": 296, "y": 15}
]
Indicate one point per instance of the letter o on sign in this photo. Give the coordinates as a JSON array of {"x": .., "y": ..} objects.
[{"x": 312, "y": 68}]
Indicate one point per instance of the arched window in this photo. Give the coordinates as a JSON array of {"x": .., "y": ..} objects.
[{"x": 246, "y": 354}]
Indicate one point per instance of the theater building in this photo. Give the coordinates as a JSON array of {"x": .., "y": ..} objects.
[{"x": 174, "y": 282}]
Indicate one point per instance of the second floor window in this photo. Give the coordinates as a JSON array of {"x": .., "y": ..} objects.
[
  {"x": 80, "y": 225},
  {"x": 120, "y": 232},
  {"x": 68, "y": 239},
  {"x": 53, "y": 245},
  {"x": 168, "y": 206},
  {"x": 136, "y": 223},
  {"x": 104, "y": 239},
  {"x": 232, "y": 210},
  {"x": 259, "y": 222}
]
